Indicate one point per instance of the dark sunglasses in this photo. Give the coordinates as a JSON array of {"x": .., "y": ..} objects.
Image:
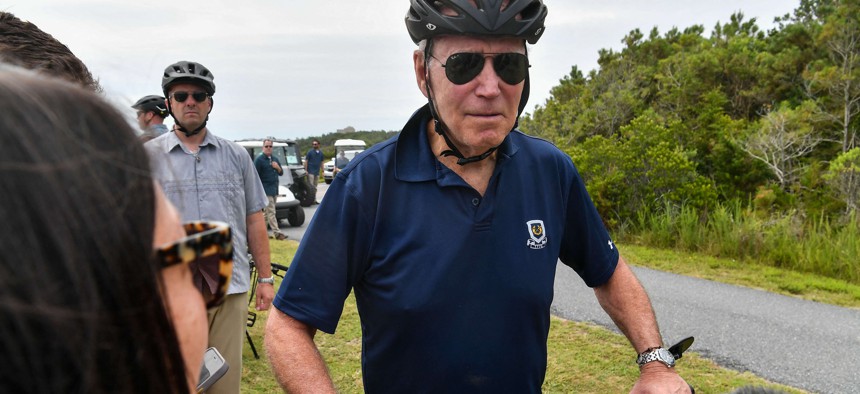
[
  {"x": 182, "y": 96},
  {"x": 267, "y": 146},
  {"x": 465, "y": 66},
  {"x": 208, "y": 252}
]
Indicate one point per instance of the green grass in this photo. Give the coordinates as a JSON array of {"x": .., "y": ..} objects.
[
  {"x": 582, "y": 358},
  {"x": 744, "y": 273}
]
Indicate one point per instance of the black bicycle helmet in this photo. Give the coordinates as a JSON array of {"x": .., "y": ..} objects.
[
  {"x": 151, "y": 103},
  {"x": 512, "y": 18},
  {"x": 188, "y": 72}
]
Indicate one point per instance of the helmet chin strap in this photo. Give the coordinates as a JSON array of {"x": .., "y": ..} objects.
[
  {"x": 442, "y": 129},
  {"x": 181, "y": 127}
]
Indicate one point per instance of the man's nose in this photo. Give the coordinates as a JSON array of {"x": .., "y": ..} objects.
[{"x": 488, "y": 80}]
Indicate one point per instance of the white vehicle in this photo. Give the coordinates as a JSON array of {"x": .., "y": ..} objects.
[
  {"x": 350, "y": 148},
  {"x": 287, "y": 205}
]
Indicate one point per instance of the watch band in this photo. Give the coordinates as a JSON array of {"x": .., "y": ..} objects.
[
  {"x": 656, "y": 354},
  {"x": 270, "y": 280}
]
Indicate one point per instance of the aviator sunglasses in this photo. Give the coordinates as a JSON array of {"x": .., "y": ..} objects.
[
  {"x": 465, "y": 66},
  {"x": 181, "y": 96},
  {"x": 208, "y": 252}
]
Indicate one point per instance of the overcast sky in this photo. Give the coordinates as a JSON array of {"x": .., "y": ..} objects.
[{"x": 297, "y": 68}]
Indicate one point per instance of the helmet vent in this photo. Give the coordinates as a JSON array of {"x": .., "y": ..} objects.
[
  {"x": 531, "y": 12},
  {"x": 447, "y": 10}
]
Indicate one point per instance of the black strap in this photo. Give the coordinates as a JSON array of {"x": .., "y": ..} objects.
[{"x": 453, "y": 151}]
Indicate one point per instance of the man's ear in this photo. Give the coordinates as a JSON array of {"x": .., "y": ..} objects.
[{"x": 420, "y": 71}]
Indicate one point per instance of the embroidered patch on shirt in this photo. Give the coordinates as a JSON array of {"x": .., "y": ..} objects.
[{"x": 537, "y": 234}]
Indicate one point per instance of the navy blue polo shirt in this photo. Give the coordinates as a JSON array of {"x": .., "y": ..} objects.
[{"x": 453, "y": 288}]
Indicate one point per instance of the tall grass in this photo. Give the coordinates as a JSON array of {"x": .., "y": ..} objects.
[{"x": 784, "y": 240}]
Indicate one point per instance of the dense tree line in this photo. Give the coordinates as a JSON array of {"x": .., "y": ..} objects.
[
  {"x": 741, "y": 115},
  {"x": 327, "y": 140}
]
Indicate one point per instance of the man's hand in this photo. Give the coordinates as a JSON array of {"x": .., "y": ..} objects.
[
  {"x": 655, "y": 377},
  {"x": 265, "y": 295},
  {"x": 276, "y": 166}
]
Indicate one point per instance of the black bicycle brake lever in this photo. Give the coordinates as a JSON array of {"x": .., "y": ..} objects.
[{"x": 679, "y": 348}]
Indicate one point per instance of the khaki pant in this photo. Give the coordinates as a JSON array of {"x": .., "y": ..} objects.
[
  {"x": 314, "y": 180},
  {"x": 227, "y": 325},
  {"x": 271, "y": 218}
]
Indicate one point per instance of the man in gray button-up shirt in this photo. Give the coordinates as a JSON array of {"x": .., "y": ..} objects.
[{"x": 210, "y": 178}]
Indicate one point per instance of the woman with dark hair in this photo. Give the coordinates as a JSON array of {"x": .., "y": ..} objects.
[{"x": 91, "y": 300}]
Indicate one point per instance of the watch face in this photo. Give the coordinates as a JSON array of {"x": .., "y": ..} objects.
[{"x": 666, "y": 357}]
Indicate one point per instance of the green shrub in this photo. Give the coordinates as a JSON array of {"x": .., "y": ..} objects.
[{"x": 785, "y": 240}]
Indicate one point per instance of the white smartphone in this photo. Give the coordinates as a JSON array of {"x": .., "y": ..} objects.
[{"x": 214, "y": 367}]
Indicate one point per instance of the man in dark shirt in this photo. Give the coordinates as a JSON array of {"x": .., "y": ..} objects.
[
  {"x": 270, "y": 170},
  {"x": 313, "y": 161},
  {"x": 450, "y": 233}
]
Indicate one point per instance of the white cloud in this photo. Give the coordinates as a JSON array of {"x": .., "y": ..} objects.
[{"x": 296, "y": 68}]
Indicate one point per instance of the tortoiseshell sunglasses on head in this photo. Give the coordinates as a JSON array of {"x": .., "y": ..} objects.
[{"x": 208, "y": 252}]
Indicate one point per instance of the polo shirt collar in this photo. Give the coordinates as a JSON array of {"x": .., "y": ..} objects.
[{"x": 414, "y": 160}]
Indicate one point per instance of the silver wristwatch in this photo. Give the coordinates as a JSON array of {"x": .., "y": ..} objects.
[
  {"x": 659, "y": 354},
  {"x": 269, "y": 280}
]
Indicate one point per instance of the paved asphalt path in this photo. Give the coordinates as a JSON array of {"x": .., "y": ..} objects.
[
  {"x": 787, "y": 340},
  {"x": 296, "y": 233}
]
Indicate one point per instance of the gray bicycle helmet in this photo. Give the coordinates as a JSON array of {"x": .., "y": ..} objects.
[
  {"x": 512, "y": 18},
  {"x": 151, "y": 103},
  {"x": 188, "y": 72}
]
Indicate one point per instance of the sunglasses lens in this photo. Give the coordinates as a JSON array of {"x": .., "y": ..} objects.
[
  {"x": 180, "y": 96},
  {"x": 208, "y": 252},
  {"x": 206, "y": 272},
  {"x": 199, "y": 96},
  {"x": 463, "y": 67},
  {"x": 511, "y": 67}
]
